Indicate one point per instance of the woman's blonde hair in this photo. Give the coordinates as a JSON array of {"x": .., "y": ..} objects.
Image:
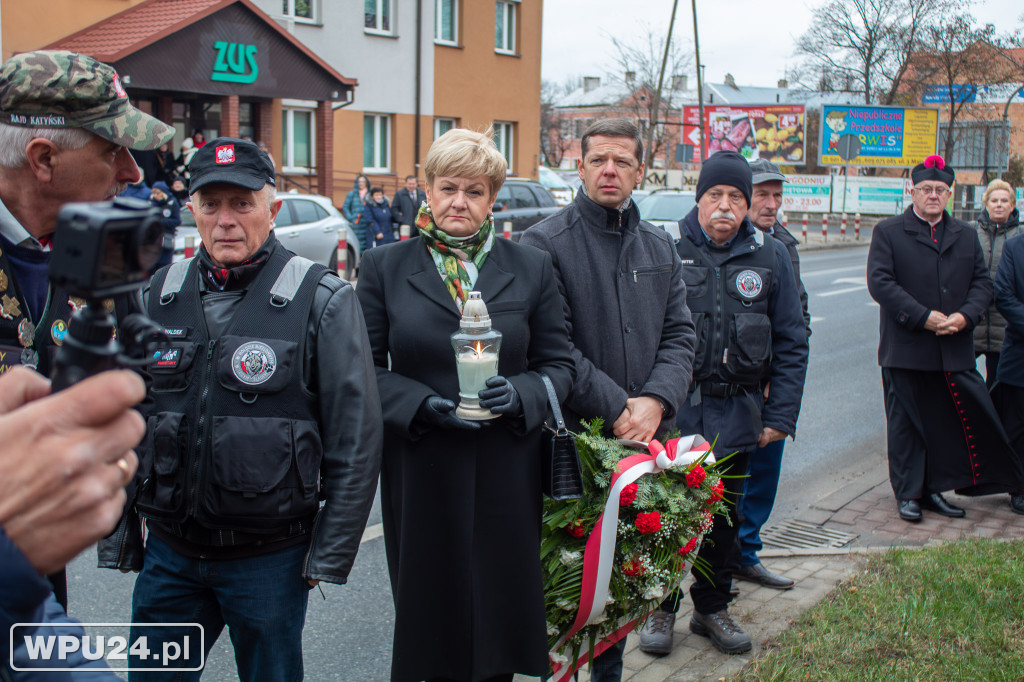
[
  {"x": 993, "y": 186},
  {"x": 462, "y": 153}
]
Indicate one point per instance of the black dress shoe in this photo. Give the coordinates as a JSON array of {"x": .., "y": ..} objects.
[
  {"x": 910, "y": 510},
  {"x": 937, "y": 503},
  {"x": 1017, "y": 504},
  {"x": 757, "y": 573}
]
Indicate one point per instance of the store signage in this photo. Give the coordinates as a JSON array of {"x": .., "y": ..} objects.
[
  {"x": 889, "y": 136},
  {"x": 236, "y": 63}
]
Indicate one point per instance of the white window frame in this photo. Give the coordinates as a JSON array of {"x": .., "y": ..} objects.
[
  {"x": 314, "y": 6},
  {"x": 378, "y": 119},
  {"x": 439, "y": 120},
  {"x": 509, "y": 8},
  {"x": 376, "y": 30},
  {"x": 438, "y": 26},
  {"x": 504, "y": 140},
  {"x": 288, "y": 108}
]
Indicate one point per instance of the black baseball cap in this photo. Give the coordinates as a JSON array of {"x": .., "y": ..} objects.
[{"x": 230, "y": 160}]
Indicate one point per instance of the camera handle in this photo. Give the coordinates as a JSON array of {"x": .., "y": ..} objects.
[{"x": 90, "y": 347}]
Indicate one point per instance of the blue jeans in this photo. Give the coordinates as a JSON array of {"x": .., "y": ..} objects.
[
  {"x": 756, "y": 504},
  {"x": 261, "y": 599}
]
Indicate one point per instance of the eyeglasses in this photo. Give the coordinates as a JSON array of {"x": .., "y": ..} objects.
[{"x": 937, "y": 191}]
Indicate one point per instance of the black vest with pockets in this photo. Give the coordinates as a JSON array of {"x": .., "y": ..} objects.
[
  {"x": 729, "y": 305},
  {"x": 233, "y": 440}
]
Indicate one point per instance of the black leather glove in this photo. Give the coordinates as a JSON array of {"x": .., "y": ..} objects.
[
  {"x": 440, "y": 412},
  {"x": 501, "y": 397}
]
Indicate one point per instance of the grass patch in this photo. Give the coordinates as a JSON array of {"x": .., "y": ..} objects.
[{"x": 951, "y": 612}]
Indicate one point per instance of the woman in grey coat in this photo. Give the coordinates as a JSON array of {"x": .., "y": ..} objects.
[{"x": 999, "y": 221}]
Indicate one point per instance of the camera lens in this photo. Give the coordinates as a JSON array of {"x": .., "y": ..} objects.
[{"x": 149, "y": 237}]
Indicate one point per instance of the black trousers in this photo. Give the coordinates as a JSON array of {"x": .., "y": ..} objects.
[{"x": 710, "y": 593}]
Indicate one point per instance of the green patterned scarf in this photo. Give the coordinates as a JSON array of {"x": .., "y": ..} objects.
[{"x": 449, "y": 252}]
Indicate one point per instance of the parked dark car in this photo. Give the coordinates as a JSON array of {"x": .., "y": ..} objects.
[{"x": 524, "y": 202}]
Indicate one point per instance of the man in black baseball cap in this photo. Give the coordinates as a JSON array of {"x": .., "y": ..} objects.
[{"x": 270, "y": 352}]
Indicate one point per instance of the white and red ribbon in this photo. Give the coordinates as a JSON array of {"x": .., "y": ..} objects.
[{"x": 599, "y": 555}]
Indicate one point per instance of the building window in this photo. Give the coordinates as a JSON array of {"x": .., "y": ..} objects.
[
  {"x": 299, "y": 9},
  {"x": 577, "y": 129},
  {"x": 443, "y": 125},
  {"x": 297, "y": 140},
  {"x": 565, "y": 129},
  {"x": 505, "y": 27},
  {"x": 377, "y": 16},
  {"x": 503, "y": 140},
  {"x": 376, "y": 143},
  {"x": 446, "y": 24}
]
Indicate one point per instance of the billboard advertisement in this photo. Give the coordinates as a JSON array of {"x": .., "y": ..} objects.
[
  {"x": 889, "y": 136},
  {"x": 810, "y": 193},
  {"x": 774, "y": 132},
  {"x": 877, "y": 196}
]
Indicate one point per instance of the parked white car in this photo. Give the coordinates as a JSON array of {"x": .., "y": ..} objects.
[
  {"x": 665, "y": 208},
  {"x": 554, "y": 183},
  {"x": 307, "y": 225}
]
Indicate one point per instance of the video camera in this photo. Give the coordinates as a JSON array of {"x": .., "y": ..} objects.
[{"x": 103, "y": 250}]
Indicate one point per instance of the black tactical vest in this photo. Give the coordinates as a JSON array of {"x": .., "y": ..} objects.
[
  {"x": 233, "y": 440},
  {"x": 24, "y": 341},
  {"x": 729, "y": 305}
]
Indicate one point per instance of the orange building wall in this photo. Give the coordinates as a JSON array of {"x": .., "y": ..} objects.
[
  {"x": 479, "y": 86},
  {"x": 30, "y": 25}
]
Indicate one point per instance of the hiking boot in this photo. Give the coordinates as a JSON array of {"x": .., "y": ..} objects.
[
  {"x": 722, "y": 631},
  {"x": 656, "y": 637}
]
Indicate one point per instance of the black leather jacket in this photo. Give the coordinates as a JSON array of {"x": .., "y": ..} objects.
[{"x": 341, "y": 374}]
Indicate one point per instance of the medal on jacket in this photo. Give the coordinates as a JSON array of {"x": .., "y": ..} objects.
[{"x": 26, "y": 337}]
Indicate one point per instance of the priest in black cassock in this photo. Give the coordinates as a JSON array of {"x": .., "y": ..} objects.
[{"x": 927, "y": 273}]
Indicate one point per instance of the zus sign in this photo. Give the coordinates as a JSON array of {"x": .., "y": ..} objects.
[{"x": 236, "y": 63}]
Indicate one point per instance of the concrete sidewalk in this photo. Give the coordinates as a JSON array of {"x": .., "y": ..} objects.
[{"x": 864, "y": 508}]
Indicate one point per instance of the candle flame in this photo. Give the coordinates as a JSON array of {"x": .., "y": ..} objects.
[{"x": 478, "y": 348}]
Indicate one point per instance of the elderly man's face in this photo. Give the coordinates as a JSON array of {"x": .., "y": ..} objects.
[
  {"x": 720, "y": 211},
  {"x": 233, "y": 221},
  {"x": 410, "y": 185},
  {"x": 610, "y": 171},
  {"x": 765, "y": 201},
  {"x": 100, "y": 170},
  {"x": 930, "y": 197}
]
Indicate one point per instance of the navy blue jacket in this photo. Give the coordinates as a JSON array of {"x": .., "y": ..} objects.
[
  {"x": 1009, "y": 288},
  {"x": 377, "y": 219},
  {"x": 738, "y": 420}
]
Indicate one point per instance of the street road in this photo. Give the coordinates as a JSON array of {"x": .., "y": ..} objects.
[{"x": 841, "y": 432}]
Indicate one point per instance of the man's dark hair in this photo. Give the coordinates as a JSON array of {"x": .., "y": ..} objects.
[
  {"x": 374, "y": 190},
  {"x": 411, "y": 177},
  {"x": 614, "y": 127}
]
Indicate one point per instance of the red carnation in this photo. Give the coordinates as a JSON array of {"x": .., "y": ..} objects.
[
  {"x": 716, "y": 493},
  {"x": 632, "y": 567},
  {"x": 628, "y": 495},
  {"x": 934, "y": 161},
  {"x": 648, "y": 523},
  {"x": 688, "y": 547},
  {"x": 695, "y": 476},
  {"x": 576, "y": 529}
]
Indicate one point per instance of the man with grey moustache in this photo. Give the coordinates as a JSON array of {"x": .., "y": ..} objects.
[{"x": 746, "y": 311}]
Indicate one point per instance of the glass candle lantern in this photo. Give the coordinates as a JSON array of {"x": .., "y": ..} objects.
[{"x": 476, "y": 347}]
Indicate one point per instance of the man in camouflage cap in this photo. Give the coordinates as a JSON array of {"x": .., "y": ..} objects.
[{"x": 65, "y": 129}]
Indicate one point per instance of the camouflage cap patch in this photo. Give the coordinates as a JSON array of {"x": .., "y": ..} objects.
[{"x": 59, "y": 89}]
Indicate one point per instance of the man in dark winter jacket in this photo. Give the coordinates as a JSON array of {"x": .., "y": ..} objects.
[
  {"x": 406, "y": 204},
  {"x": 766, "y": 462},
  {"x": 631, "y": 335},
  {"x": 265, "y": 404},
  {"x": 163, "y": 200},
  {"x": 742, "y": 294}
]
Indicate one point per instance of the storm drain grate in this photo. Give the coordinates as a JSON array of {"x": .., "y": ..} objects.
[{"x": 802, "y": 535}]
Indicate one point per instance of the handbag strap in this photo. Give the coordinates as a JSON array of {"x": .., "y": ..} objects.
[{"x": 555, "y": 409}]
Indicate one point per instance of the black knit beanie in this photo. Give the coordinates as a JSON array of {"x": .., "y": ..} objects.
[{"x": 725, "y": 168}]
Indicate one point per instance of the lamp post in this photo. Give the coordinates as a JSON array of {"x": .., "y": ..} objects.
[
  {"x": 476, "y": 347},
  {"x": 700, "y": 88}
]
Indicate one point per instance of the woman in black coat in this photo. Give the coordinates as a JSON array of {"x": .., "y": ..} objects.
[{"x": 461, "y": 501}]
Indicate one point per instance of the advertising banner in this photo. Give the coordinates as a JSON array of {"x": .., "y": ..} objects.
[
  {"x": 807, "y": 193},
  {"x": 889, "y": 136},
  {"x": 876, "y": 196},
  {"x": 774, "y": 132}
]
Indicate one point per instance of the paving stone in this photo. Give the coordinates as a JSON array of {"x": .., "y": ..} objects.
[{"x": 655, "y": 672}]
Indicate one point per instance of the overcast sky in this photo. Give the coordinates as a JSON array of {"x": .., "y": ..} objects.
[{"x": 577, "y": 33}]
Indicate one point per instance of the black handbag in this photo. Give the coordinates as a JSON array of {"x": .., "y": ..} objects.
[{"x": 562, "y": 478}]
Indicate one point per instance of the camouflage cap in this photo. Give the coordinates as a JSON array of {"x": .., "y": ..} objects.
[{"x": 59, "y": 89}]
